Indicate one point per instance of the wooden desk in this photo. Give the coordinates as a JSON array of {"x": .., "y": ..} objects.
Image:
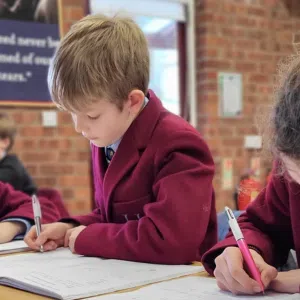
[{"x": 7, "y": 293}]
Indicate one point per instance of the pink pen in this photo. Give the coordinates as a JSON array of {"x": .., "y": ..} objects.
[{"x": 235, "y": 228}]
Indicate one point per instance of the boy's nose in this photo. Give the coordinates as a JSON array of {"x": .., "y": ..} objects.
[{"x": 79, "y": 124}]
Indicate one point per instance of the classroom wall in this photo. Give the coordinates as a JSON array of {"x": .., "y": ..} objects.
[
  {"x": 249, "y": 37},
  {"x": 246, "y": 36}
]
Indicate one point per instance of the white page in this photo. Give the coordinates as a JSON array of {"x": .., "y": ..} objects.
[
  {"x": 14, "y": 246},
  {"x": 188, "y": 288},
  {"x": 74, "y": 276}
]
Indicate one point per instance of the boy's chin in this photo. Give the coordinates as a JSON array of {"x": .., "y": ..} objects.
[{"x": 97, "y": 143}]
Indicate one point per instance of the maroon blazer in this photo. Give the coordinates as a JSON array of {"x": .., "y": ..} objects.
[
  {"x": 271, "y": 224},
  {"x": 155, "y": 200},
  {"x": 16, "y": 204}
]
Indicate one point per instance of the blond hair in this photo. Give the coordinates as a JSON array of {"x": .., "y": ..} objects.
[
  {"x": 7, "y": 129},
  {"x": 99, "y": 58}
]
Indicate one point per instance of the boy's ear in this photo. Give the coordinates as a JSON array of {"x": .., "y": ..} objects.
[{"x": 136, "y": 100}]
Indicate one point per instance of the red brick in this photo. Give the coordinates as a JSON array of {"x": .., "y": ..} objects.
[
  {"x": 245, "y": 21},
  {"x": 73, "y": 3},
  {"x": 284, "y": 37},
  {"x": 69, "y": 156},
  {"x": 45, "y": 182},
  {"x": 259, "y": 56},
  {"x": 205, "y": 17},
  {"x": 259, "y": 78},
  {"x": 251, "y": 88},
  {"x": 83, "y": 206},
  {"x": 221, "y": 19},
  {"x": 234, "y": 54},
  {"x": 229, "y": 8},
  {"x": 75, "y": 13},
  {"x": 23, "y": 144},
  {"x": 56, "y": 169},
  {"x": 216, "y": 41},
  {"x": 213, "y": 5},
  {"x": 244, "y": 130},
  {"x": 33, "y": 170},
  {"x": 69, "y": 131},
  {"x": 208, "y": 86},
  {"x": 72, "y": 180},
  {"x": 39, "y": 157},
  {"x": 258, "y": 34},
  {"x": 66, "y": 27},
  {"x": 80, "y": 193},
  {"x": 49, "y": 143},
  {"x": 83, "y": 168},
  {"x": 31, "y": 131},
  {"x": 257, "y": 11},
  {"x": 285, "y": 48},
  {"x": 207, "y": 53},
  {"x": 68, "y": 194},
  {"x": 226, "y": 131},
  {"x": 28, "y": 118},
  {"x": 49, "y": 131},
  {"x": 246, "y": 67},
  {"x": 233, "y": 142},
  {"x": 65, "y": 143},
  {"x": 232, "y": 32},
  {"x": 265, "y": 90},
  {"x": 64, "y": 118},
  {"x": 207, "y": 76},
  {"x": 246, "y": 44},
  {"x": 217, "y": 64}
]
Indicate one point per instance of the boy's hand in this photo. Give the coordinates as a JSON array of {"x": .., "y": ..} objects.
[
  {"x": 71, "y": 237},
  {"x": 287, "y": 282},
  {"x": 9, "y": 230},
  {"x": 51, "y": 237},
  {"x": 231, "y": 276}
]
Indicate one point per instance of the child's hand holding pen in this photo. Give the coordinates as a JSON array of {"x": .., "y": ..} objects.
[
  {"x": 231, "y": 275},
  {"x": 51, "y": 236},
  {"x": 231, "y": 264}
]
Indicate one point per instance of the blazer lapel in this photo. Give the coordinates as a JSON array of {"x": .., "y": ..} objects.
[{"x": 132, "y": 144}]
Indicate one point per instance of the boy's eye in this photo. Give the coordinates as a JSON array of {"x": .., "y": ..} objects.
[{"x": 93, "y": 118}]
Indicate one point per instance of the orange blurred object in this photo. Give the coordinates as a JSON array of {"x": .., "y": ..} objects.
[{"x": 249, "y": 188}]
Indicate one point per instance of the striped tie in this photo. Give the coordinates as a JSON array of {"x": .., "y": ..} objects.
[{"x": 109, "y": 154}]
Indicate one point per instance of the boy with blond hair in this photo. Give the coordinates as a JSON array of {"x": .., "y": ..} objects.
[{"x": 152, "y": 171}]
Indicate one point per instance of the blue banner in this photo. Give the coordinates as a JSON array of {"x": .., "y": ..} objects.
[{"x": 25, "y": 52}]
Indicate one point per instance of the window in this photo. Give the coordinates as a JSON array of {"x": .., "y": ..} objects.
[{"x": 172, "y": 77}]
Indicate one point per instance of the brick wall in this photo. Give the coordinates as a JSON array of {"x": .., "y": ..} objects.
[
  {"x": 244, "y": 36},
  {"x": 56, "y": 157}
]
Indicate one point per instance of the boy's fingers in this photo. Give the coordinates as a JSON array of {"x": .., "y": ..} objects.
[
  {"x": 30, "y": 238},
  {"x": 50, "y": 245},
  {"x": 42, "y": 238},
  {"x": 268, "y": 273},
  {"x": 31, "y": 244},
  {"x": 239, "y": 279},
  {"x": 67, "y": 237}
]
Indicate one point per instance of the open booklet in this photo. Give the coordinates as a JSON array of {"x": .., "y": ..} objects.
[
  {"x": 14, "y": 246},
  {"x": 62, "y": 275},
  {"x": 188, "y": 288}
]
